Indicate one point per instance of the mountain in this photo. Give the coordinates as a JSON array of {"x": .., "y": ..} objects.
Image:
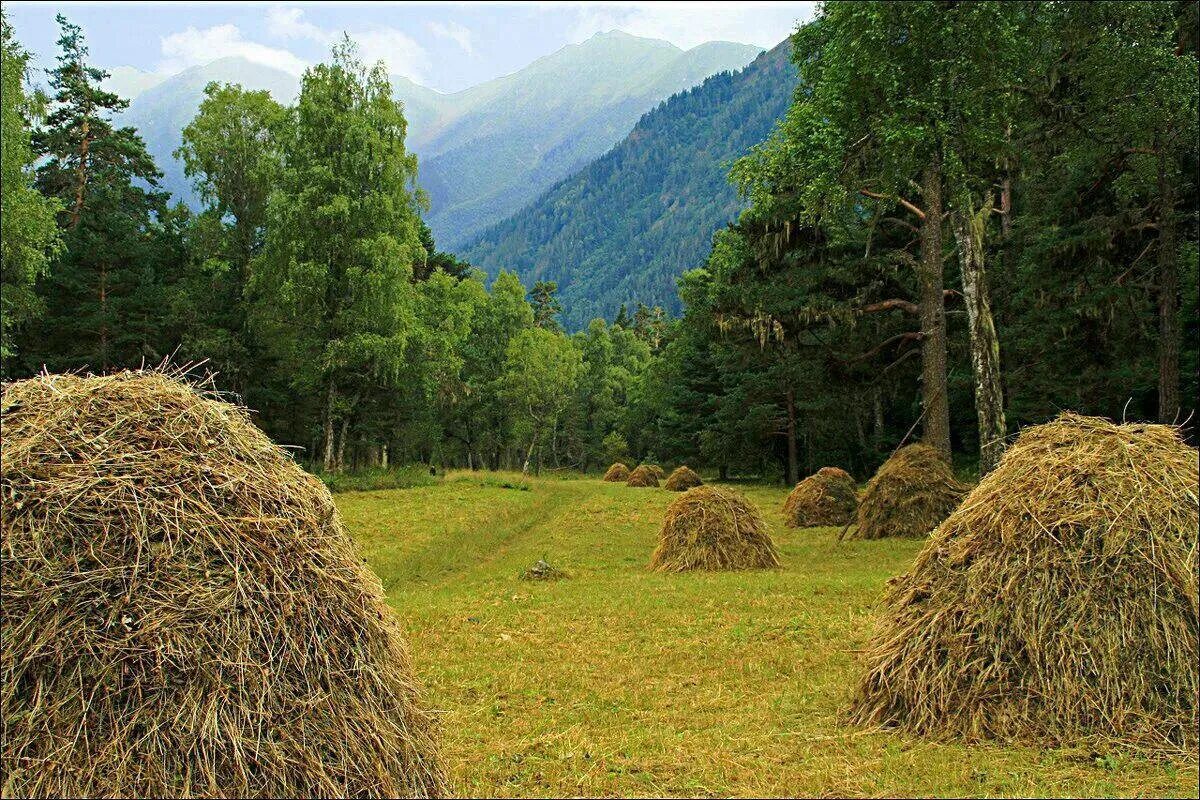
[
  {"x": 129, "y": 82},
  {"x": 488, "y": 150},
  {"x": 161, "y": 112},
  {"x": 623, "y": 229}
]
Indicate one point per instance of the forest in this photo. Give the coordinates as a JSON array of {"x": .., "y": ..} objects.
[{"x": 950, "y": 239}]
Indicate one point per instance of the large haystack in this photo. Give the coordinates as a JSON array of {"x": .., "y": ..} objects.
[
  {"x": 911, "y": 493},
  {"x": 714, "y": 529},
  {"x": 658, "y": 471},
  {"x": 642, "y": 477},
  {"x": 1059, "y": 600},
  {"x": 682, "y": 479},
  {"x": 184, "y": 613},
  {"x": 826, "y": 497},
  {"x": 617, "y": 473}
]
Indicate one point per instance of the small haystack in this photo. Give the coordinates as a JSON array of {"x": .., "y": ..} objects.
[
  {"x": 184, "y": 613},
  {"x": 910, "y": 495},
  {"x": 714, "y": 529},
  {"x": 1059, "y": 601},
  {"x": 617, "y": 473},
  {"x": 641, "y": 477},
  {"x": 658, "y": 471},
  {"x": 682, "y": 479},
  {"x": 826, "y": 497}
]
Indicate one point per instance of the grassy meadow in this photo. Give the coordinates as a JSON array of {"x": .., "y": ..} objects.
[{"x": 617, "y": 681}]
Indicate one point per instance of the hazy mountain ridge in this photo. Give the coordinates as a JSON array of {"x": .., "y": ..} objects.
[
  {"x": 625, "y": 227},
  {"x": 485, "y": 151}
]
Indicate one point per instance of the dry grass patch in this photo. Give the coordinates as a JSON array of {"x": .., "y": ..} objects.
[
  {"x": 713, "y": 529},
  {"x": 826, "y": 497},
  {"x": 184, "y": 613},
  {"x": 910, "y": 495},
  {"x": 682, "y": 479},
  {"x": 642, "y": 477},
  {"x": 617, "y": 473},
  {"x": 1059, "y": 601}
]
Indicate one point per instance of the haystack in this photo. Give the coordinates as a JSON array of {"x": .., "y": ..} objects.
[
  {"x": 184, "y": 613},
  {"x": 682, "y": 479},
  {"x": 658, "y": 471},
  {"x": 826, "y": 497},
  {"x": 617, "y": 473},
  {"x": 1058, "y": 602},
  {"x": 641, "y": 477},
  {"x": 713, "y": 529},
  {"x": 911, "y": 493}
]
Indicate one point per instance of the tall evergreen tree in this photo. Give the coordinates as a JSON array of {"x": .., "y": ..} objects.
[{"x": 104, "y": 296}]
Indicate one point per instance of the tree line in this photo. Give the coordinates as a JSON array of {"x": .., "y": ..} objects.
[{"x": 972, "y": 216}]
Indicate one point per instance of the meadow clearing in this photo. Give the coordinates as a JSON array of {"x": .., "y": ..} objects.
[{"x": 618, "y": 681}]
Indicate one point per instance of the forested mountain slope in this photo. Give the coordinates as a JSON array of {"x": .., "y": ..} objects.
[{"x": 624, "y": 228}]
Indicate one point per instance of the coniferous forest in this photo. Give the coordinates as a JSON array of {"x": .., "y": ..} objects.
[{"x": 971, "y": 217}]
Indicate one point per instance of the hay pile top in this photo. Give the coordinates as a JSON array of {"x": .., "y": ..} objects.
[
  {"x": 642, "y": 477},
  {"x": 184, "y": 612},
  {"x": 682, "y": 479},
  {"x": 910, "y": 495},
  {"x": 657, "y": 470},
  {"x": 617, "y": 473},
  {"x": 1059, "y": 601},
  {"x": 827, "y": 497},
  {"x": 713, "y": 529}
]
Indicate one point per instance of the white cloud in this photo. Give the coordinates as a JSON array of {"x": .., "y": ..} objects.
[
  {"x": 191, "y": 47},
  {"x": 689, "y": 24},
  {"x": 398, "y": 51},
  {"x": 456, "y": 33}
]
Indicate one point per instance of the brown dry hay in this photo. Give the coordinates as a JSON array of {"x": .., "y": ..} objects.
[
  {"x": 682, "y": 479},
  {"x": 642, "y": 477},
  {"x": 658, "y": 471},
  {"x": 184, "y": 614},
  {"x": 1058, "y": 602},
  {"x": 617, "y": 473},
  {"x": 911, "y": 493},
  {"x": 713, "y": 529},
  {"x": 826, "y": 497}
]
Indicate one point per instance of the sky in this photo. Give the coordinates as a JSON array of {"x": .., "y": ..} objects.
[{"x": 445, "y": 46}]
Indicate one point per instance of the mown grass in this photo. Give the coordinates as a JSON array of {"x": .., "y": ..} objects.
[{"x": 618, "y": 681}]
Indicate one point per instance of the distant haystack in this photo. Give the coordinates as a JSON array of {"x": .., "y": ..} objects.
[
  {"x": 683, "y": 479},
  {"x": 826, "y": 497},
  {"x": 911, "y": 493},
  {"x": 617, "y": 473},
  {"x": 657, "y": 470},
  {"x": 1058, "y": 601},
  {"x": 642, "y": 477},
  {"x": 184, "y": 613},
  {"x": 713, "y": 529}
]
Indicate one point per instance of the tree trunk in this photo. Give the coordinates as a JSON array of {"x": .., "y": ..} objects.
[
  {"x": 793, "y": 466},
  {"x": 935, "y": 404},
  {"x": 341, "y": 447},
  {"x": 529, "y": 453},
  {"x": 81, "y": 172},
  {"x": 383, "y": 456},
  {"x": 969, "y": 229},
  {"x": 103, "y": 297},
  {"x": 877, "y": 418},
  {"x": 329, "y": 464},
  {"x": 1168, "y": 302}
]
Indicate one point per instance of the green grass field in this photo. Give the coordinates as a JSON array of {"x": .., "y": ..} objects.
[{"x": 617, "y": 681}]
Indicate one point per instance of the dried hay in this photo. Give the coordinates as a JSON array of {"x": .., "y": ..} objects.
[
  {"x": 682, "y": 479},
  {"x": 713, "y": 529},
  {"x": 911, "y": 493},
  {"x": 1059, "y": 601},
  {"x": 826, "y": 497},
  {"x": 642, "y": 477},
  {"x": 184, "y": 613},
  {"x": 658, "y": 471},
  {"x": 617, "y": 473}
]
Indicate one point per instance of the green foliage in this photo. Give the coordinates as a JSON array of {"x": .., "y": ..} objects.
[
  {"x": 378, "y": 478},
  {"x": 29, "y": 236}
]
